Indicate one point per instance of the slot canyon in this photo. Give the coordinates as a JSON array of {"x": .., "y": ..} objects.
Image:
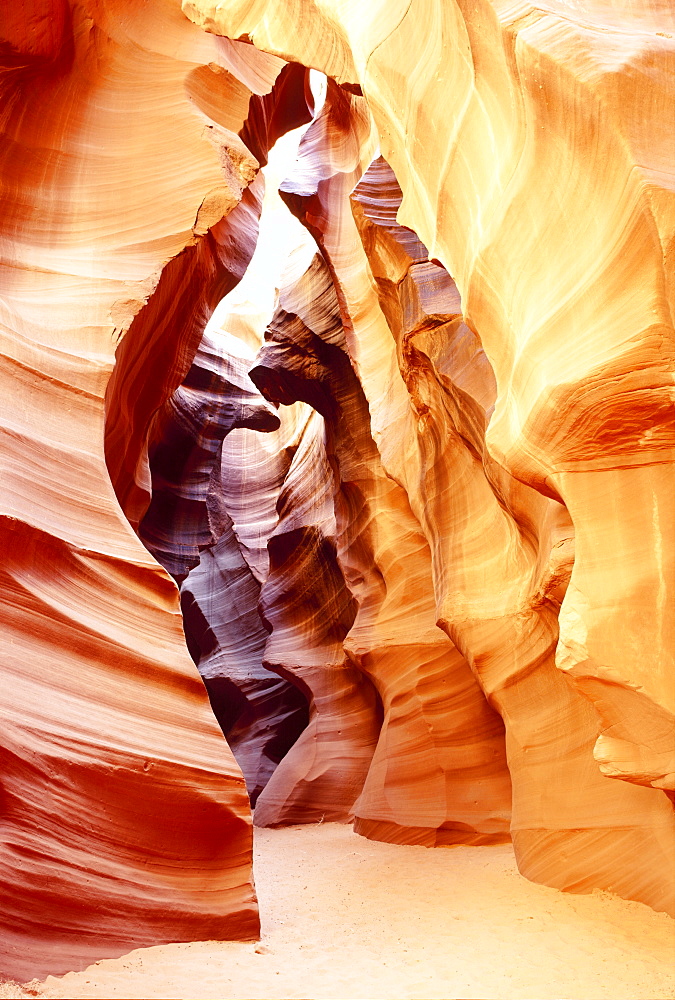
[{"x": 337, "y": 436}]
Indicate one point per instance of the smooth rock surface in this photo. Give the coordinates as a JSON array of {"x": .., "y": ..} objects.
[
  {"x": 551, "y": 202},
  {"x": 125, "y": 818},
  {"x": 531, "y": 148},
  {"x": 439, "y": 772},
  {"x": 496, "y": 386}
]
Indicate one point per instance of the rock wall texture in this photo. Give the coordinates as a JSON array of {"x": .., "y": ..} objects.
[
  {"x": 534, "y": 161},
  {"x": 309, "y": 609},
  {"x": 439, "y": 773},
  {"x": 486, "y": 344},
  {"x": 189, "y": 530},
  {"x": 125, "y": 818}
]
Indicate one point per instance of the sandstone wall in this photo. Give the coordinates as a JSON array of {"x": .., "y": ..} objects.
[
  {"x": 535, "y": 164},
  {"x": 497, "y": 386},
  {"x": 125, "y": 818},
  {"x": 535, "y": 155}
]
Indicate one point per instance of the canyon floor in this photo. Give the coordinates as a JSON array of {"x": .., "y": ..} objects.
[{"x": 344, "y": 917}]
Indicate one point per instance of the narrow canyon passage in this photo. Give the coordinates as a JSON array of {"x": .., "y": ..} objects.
[
  {"x": 337, "y": 443},
  {"x": 345, "y": 918}
]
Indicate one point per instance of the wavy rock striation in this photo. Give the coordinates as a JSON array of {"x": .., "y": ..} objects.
[
  {"x": 551, "y": 136},
  {"x": 440, "y": 742},
  {"x": 186, "y": 513},
  {"x": 501, "y": 551},
  {"x": 449, "y": 382},
  {"x": 188, "y": 529},
  {"x": 309, "y": 610},
  {"x": 260, "y": 714},
  {"x": 153, "y": 360},
  {"x": 125, "y": 818},
  {"x": 493, "y": 388}
]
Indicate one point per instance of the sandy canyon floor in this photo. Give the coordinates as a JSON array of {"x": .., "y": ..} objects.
[{"x": 344, "y": 917}]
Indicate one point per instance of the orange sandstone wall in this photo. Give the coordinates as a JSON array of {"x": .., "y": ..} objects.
[
  {"x": 534, "y": 151},
  {"x": 535, "y": 154},
  {"x": 497, "y": 543},
  {"x": 125, "y": 818},
  {"x": 438, "y": 774},
  {"x": 517, "y": 371}
]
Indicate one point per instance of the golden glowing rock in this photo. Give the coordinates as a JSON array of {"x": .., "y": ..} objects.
[
  {"x": 534, "y": 146},
  {"x": 497, "y": 387},
  {"x": 438, "y": 774},
  {"x": 535, "y": 163}
]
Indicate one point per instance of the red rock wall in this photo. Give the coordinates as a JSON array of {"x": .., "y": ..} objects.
[
  {"x": 125, "y": 818},
  {"x": 534, "y": 152}
]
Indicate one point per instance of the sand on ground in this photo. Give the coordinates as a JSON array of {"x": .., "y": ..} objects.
[{"x": 345, "y": 918}]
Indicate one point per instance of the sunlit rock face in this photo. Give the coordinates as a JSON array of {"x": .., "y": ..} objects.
[
  {"x": 549, "y": 198},
  {"x": 125, "y": 817},
  {"x": 153, "y": 360},
  {"x": 528, "y": 545},
  {"x": 438, "y": 774},
  {"x": 501, "y": 537}
]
